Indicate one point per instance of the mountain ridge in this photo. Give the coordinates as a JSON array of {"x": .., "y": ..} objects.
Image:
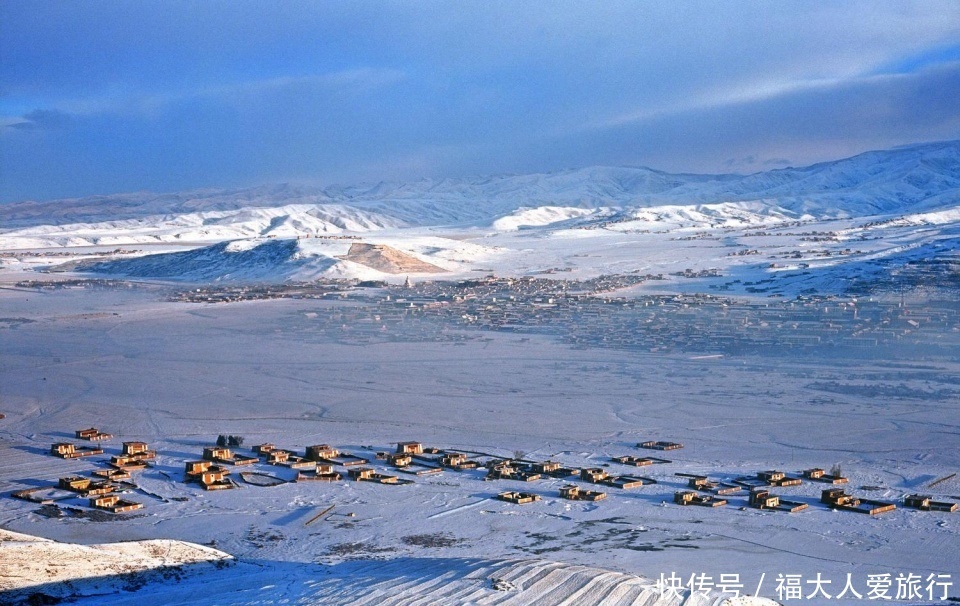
[{"x": 871, "y": 182}]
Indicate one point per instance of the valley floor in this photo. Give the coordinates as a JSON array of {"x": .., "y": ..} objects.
[{"x": 177, "y": 375}]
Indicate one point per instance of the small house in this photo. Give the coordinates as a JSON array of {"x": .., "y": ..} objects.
[
  {"x": 262, "y": 450},
  {"x": 319, "y": 452},
  {"x": 458, "y": 461},
  {"x": 777, "y": 478},
  {"x": 114, "y": 475},
  {"x": 410, "y": 448},
  {"x": 820, "y": 475},
  {"x": 217, "y": 453},
  {"x": 546, "y": 467},
  {"x": 276, "y": 457},
  {"x": 575, "y": 493},
  {"x": 926, "y": 503},
  {"x": 593, "y": 474},
  {"x": 689, "y": 497},
  {"x": 114, "y": 504},
  {"x": 701, "y": 483},
  {"x": 400, "y": 459},
  {"x": 706, "y": 485},
  {"x": 74, "y": 483},
  {"x": 660, "y": 445},
  {"x": 85, "y": 486},
  {"x": 208, "y": 475},
  {"x": 215, "y": 478},
  {"x": 553, "y": 469},
  {"x": 321, "y": 472},
  {"x": 65, "y": 450},
  {"x": 127, "y": 463},
  {"x": 771, "y": 476},
  {"x": 836, "y": 497},
  {"x": 288, "y": 458},
  {"x": 634, "y": 461},
  {"x": 628, "y": 481},
  {"x": 225, "y": 455},
  {"x": 92, "y": 435},
  {"x": 195, "y": 468},
  {"x": 368, "y": 474},
  {"x": 518, "y": 497},
  {"x": 324, "y": 452},
  {"x": 510, "y": 470},
  {"x": 138, "y": 450},
  {"x": 762, "y": 499}
]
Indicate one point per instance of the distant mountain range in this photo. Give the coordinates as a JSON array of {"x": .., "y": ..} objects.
[
  {"x": 809, "y": 229},
  {"x": 905, "y": 179}
]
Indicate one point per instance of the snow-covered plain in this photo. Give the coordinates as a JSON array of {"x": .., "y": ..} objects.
[{"x": 177, "y": 375}]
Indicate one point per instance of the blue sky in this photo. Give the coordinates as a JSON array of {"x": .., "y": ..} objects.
[{"x": 105, "y": 97}]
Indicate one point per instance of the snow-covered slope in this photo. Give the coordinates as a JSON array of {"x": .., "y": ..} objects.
[
  {"x": 33, "y": 565},
  {"x": 544, "y": 215}
]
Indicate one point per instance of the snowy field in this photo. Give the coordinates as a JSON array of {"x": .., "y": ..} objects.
[{"x": 177, "y": 375}]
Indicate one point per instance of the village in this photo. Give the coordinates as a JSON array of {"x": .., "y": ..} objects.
[
  {"x": 604, "y": 312},
  {"x": 227, "y": 465},
  {"x": 576, "y": 314}
]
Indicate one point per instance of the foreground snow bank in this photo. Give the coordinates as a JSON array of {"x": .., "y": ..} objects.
[
  {"x": 108, "y": 573},
  {"x": 34, "y": 565},
  {"x": 427, "y": 580}
]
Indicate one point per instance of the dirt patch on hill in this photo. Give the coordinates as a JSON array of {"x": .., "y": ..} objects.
[{"x": 388, "y": 260}]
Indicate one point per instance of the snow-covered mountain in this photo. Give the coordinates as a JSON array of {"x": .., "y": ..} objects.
[
  {"x": 288, "y": 221},
  {"x": 585, "y": 221},
  {"x": 914, "y": 177}
]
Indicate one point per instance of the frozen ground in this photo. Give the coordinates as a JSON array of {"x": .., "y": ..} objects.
[{"x": 177, "y": 375}]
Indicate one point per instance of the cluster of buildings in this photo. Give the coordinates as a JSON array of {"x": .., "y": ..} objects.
[
  {"x": 233, "y": 293},
  {"x": 74, "y": 283},
  {"x": 587, "y": 313},
  {"x": 104, "y": 488},
  {"x": 590, "y": 313}
]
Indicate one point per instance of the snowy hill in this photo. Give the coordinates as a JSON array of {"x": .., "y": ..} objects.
[
  {"x": 268, "y": 259},
  {"x": 205, "y": 226}
]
